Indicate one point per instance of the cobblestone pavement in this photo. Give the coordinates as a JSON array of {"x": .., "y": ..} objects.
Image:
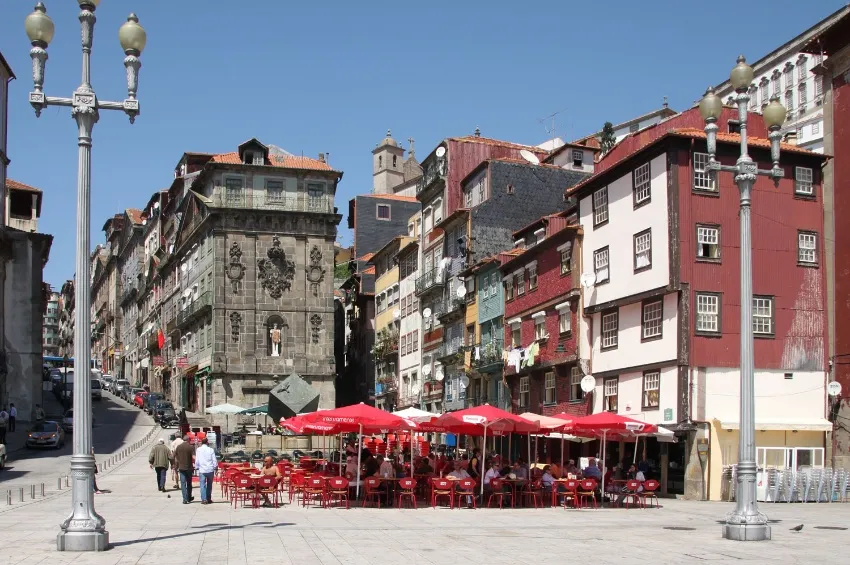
[{"x": 149, "y": 527}]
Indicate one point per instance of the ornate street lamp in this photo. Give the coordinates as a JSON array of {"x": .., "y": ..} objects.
[
  {"x": 745, "y": 523},
  {"x": 84, "y": 529}
]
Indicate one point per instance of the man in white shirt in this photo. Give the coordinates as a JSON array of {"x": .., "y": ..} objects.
[
  {"x": 13, "y": 415},
  {"x": 205, "y": 463},
  {"x": 492, "y": 473},
  {"x": 459, "y": 472},
  {"x": 175, "y": 474}
]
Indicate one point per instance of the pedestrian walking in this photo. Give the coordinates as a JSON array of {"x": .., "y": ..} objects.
[
  {"x": 39, "y": 413},
  {"x": 93, "y": 477},
  {"x": 13, "y": 416},
  {"x": 4, "y": 420},
  {"x": 183, "y": 456},
  {"x": 205, "y": 463},
  {"x": 159, "y": 460},
  {"x": 174, "y": 472}
]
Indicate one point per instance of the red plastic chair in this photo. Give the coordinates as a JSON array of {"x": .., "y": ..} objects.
[
  {"x": 245, "y": 489},
  {"x": 534, "y": 491},
  {"x": 296, "y": 485},
  {"x": 498, "y": 492},
  {"x": 587, "y": 490},
  {"x": 372, "y": 491},
  {"x": 268, "y": 486},
  {"x": 314, "y": 491},
  {"x": 465, "y": 488},
  {"x": 337, "y": 491},
  {"x": 631, "y": 491},
  {"x": 442, "y": 488},
  {"x": 649, "y": 493},
  {"x": 568, "y": 495},
  {"x": 407, "y": 491}
]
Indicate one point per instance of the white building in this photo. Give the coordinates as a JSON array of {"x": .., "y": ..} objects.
[
  {"x": 632, "y": 125},
  {"x": 411, "y": 379},
  {"x": 786, "y": 72}
]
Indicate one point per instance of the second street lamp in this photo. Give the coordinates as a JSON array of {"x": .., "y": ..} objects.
[
  {"x": 745, "y": 523},
  {"x": 84, "y": 529}
]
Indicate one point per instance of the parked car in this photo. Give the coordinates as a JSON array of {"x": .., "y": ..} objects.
[
  {"x": 139, "y": 399},
  {"x": 2, "y": 456},
  {"x": 106, "y": 381},
  {"x": 130, "y": 394},
  {"x": 68, "y": 421},
  {"x": 96, "y": 392},
  {"x": 164, "y": 412},
  {"x": 119, "y": 387},
  {"x": 151, "y": 400},
  {"x": 46, "y": 434},
  {"x": 59, "y": 378}
]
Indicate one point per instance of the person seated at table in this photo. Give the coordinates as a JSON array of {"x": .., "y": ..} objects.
[
  {"x": 520, "y": 470},
  {"x": 592, "y": 471},
  {"x": 634, "y": 474},
  {"x": 385, "y": 467},
  {"x": 555, "y": 470},
  {"x": 441, "y": 465},
  {"x": 423, "y": 467},
  {"x": 572, "y": 469},
  {"x": 492, "y": 473},
  {"x": 549, "y": 481},
  {"x": 458, "y": 472},
  {"x": 371, "y": 467},
  {"x": 269, "y": 469}
]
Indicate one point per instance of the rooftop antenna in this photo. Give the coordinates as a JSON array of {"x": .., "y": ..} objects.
[
  {"x": 665, "y": 105},
  {"x": 552, "y": 116}
]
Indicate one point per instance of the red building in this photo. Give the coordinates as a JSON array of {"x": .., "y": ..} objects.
[{"x": 541, "y": 310}]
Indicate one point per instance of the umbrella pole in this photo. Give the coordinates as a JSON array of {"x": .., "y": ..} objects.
[
  {"x": 602, "y": 497},
  {"x": 482, "y": 465},
  {"x": 510, "y": 453},
  {"x": 562, "y": 454},
  {"x": 340, "y": 455},
  {"x": 637, "y": 441},
  {"x": 359, "y": 455}
]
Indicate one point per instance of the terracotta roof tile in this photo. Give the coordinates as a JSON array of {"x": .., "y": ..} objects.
[
  {"x": 286, "y": 162},
  {"x": 736, "y": 138},
  {"x": 391, "y": 197},
  {"x": 369, "y": 270},
  {"x": 15, "y": 185},
  {"x": 499, "y": 142},
  {"x": 135, "y": 216}
]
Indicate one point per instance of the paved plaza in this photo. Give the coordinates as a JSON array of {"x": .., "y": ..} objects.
[{"x": 149, "y": 527}]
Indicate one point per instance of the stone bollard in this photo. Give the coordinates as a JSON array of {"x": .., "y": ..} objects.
[
  {"x": 21, "y": 493},
  {"x": 59, "y": 483},
  {"x": 42, "y": 490},
  {"x": 32, "y": 492},
  {"x": 8, "y": 498},
  {"x": 67, "y": 481}
]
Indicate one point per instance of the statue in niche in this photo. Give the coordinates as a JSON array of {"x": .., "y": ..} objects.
[{"x": 274, "y": 334}]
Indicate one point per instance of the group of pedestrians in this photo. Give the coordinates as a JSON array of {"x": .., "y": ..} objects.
[
  {"x": 9, "y": 419},
  {"x": 184, "y": 458}
]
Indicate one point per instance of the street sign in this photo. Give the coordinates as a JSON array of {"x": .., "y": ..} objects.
[
  {"x": 668, "y": 414},
  {"x": 158, "y": 361},
  {"x": 833, "y": 388},
  {"x": 182, "y": 362}
]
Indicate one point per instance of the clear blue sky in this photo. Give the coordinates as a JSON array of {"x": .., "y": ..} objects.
[{"x": 332, "y": 76}]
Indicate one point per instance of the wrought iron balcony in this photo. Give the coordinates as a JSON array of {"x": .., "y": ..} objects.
[
  {"x": 195, "y": 309},
  {"x": 487, "y": 355},
  {"x": 130, "y": 291},
  {"x": 431, "y": 173},
  {"x": 386, "y": 344},
  {"x": 450, "y": 351},
  {"x": 265, "y": 200},
  {"x": 431, "y": 279},
  {"x": 452, "y": 308}
]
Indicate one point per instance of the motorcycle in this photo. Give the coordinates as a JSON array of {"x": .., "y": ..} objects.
[{"x": 169, "y": 422}]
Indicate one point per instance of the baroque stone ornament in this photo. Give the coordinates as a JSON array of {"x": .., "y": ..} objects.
[
  {"x": 315, "y": 272},
  {"x": 316, "y": 323},
  {"x": 235, "y": 323},
  {"x": 276, "y": 272},
  {"x": 235, "y": 269}
]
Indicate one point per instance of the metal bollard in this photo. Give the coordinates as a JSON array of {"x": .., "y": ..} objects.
[
  {"x": 42, "y": 490},
  {"x": 8, "y": 498},
  {"x": 32, "y": 492},
  {"x": 21, "y": 493},
  {"x": 67, "y": 481},
  {"x": 59, "y": 483}
]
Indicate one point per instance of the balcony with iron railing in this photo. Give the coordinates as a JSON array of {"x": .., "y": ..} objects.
[
  {"x": 487, "y": 356},
  {"x": 451, "y": 308},
  {"x": 195, "y": 309},
  {"x": 386, "y": 344},
  {"x": 431, "y": 279},
  {"x": 451, "y": 351},
  {"x": 432, "y": 172},
  {"x": 266, "y": 200}
]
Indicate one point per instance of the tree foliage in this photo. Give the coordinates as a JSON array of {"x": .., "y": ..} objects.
[{"x": 607, "y": 140}]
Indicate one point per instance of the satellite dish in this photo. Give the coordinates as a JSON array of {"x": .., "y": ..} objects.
[
  {"x": 588, "y": 383},
  {"x": 440, "y": 375},
  {"x": 833, "y": 388},
  {"x": 426, "y": 370},
  {"x": 588, "y": 279},
  {"x": 183, "y": 267},
  {"x": 530, "y": 157},
  {"x": 145, "y": 222},
  {"x": 464, "y": 381},
  {"x": 396, "y": 314},
  {"x": 416, "y": 389},
  {"x": 156, "y": 205},
  {"x": 461, "y": 291},
  {"x": 440, "y": 152},
  {"x": 426, "y": 312},
  {"x": 584, "y": 366}
]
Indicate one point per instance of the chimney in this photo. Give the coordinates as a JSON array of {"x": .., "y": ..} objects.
[
  {"x": 477, "y": 132},
  {"x": 322, "y": 157},
  {"x": 790, "y": 137}
]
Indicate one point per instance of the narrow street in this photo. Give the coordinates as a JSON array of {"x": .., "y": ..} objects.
[{"x": 117, "y": 424}]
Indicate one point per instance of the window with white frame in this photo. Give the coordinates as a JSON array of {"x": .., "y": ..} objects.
[
  {"x": 804, "y": 181},
  {"x": 802, "y": 96},
  {"x": 516, "y": 335},
  {"x": 610, "y": 389},
  {"x": 600, "y": 206},
  {"x": 438, "y": 211},
  {"x": 524, "y": 391},
  {"x": 575, "y": 384},
  {"x": 753, "y": 98},
  {"x": 789, "y": 101},
  {"x": 509, "y": 288},
  {"x": 807, "y": 247},
  {"x": 233, "y": 190},
  {"x": 566, "y": 256},
  {"x": 274, "y": 191},
  {"x": 520, "y": 283},
  {"x": 651, "y": 325},
  {"x": 802, "y": 67},
  {"x": 532, "y": 276},
  {"x": 789, "y": 76},
  {"x": 708, "y": 242},
  {"x": 578, "y": 157},
  {"x": 763, "y": 92},
  {"x": 467, "y": 197},
  {"x": 564, "y": 320},
  {"x": 703, "y": 179},
  {"x": 643, "y": 250},
  {"x": 641, "y": 186},
  {"x": 450, "y": 390},
  {"x": 775, "y": 83},
  {"x": 708, "y": 312},
  {"x": 549, "y": 387},
  {"x": 819, "y": 85},
  {"x": 540, "y": 327},
  {"x": 816, "y": 128},
  {"x": 610, "y": 328},
  {"x": 651, "y": 389},
  {"x": 763, "y": 315},
  {"x": 600, "y": 265}
]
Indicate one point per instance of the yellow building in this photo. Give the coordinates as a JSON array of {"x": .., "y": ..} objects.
[{"x": 387, "y": 321}]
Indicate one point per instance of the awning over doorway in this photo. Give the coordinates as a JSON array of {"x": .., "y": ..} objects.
[{"x": 798, "y": 424}]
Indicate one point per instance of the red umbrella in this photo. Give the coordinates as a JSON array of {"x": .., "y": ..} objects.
[
  {"x": 478, "y": 419},
  {"x": 297, "y": 425},
  {"x": 606, "y": 424}
]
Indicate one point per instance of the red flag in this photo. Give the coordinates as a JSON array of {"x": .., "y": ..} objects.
[{"x": 160, "y": 339}]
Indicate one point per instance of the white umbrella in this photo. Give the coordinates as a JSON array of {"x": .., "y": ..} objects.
[
  {"x": 416, "y": 415},
  {"x": 227, "y": 409}
]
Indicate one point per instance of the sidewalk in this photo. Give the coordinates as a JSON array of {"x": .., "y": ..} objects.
[{"x": 148, "y": 527}]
